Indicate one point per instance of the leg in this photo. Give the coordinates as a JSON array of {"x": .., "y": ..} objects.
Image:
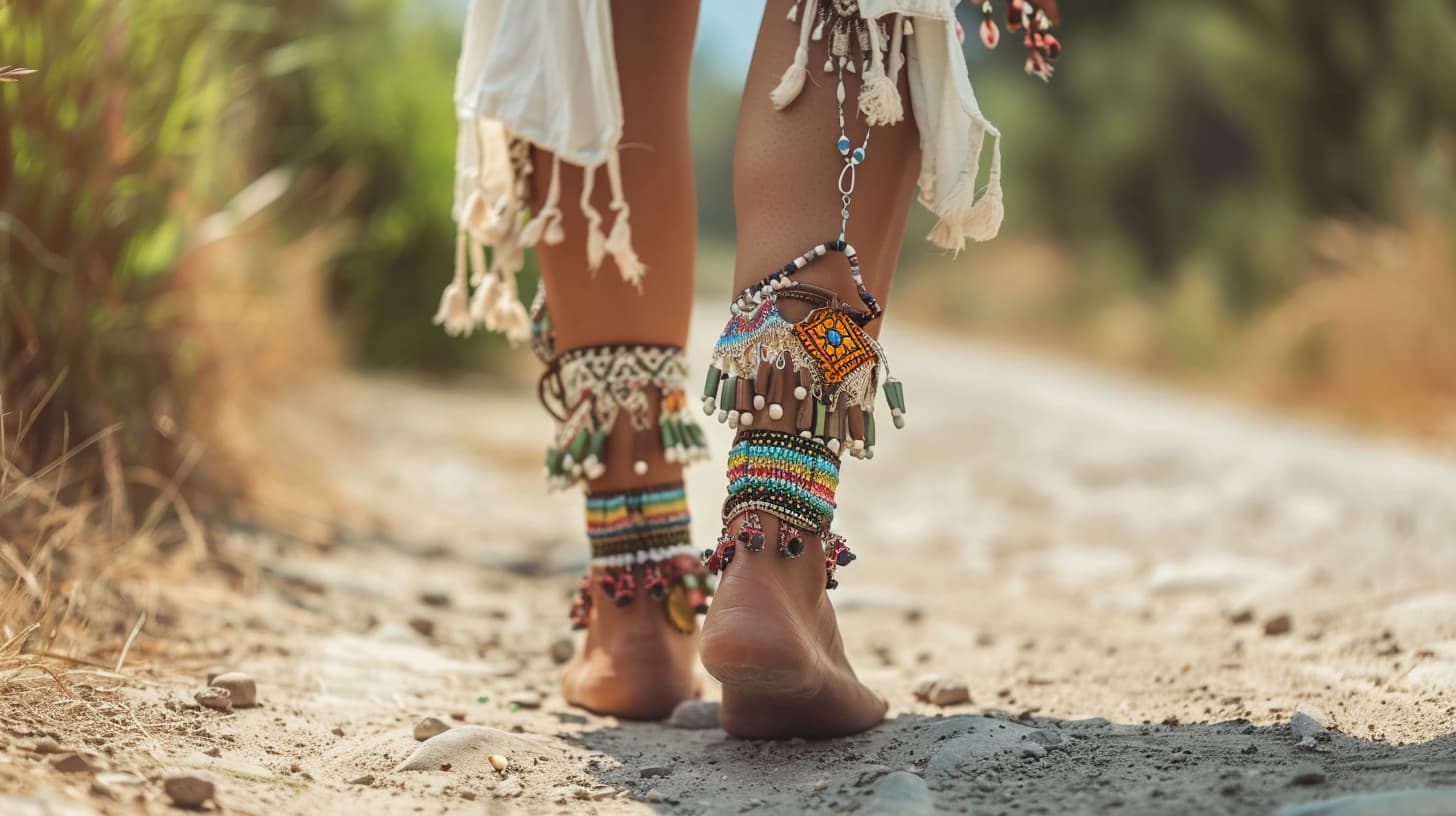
[
  {"x": 771, "y": 636},
  {"x": 633, "y": 663}
]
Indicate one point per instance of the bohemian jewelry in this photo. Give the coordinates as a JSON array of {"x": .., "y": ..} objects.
[
  {"x": 834, "y": 364},
  {"x": 793, "y": 478},
  {"x": 1036, "y": 18},
  {"x": 586, "y": 389},
  {"x": 750, "y": 536},
  {"x": 643, "y": 534}
]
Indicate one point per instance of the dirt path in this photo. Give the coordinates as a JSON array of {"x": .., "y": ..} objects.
[{"x": 1104, "y": 564}]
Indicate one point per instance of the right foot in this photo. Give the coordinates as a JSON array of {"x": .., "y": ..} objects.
[
  {"x": 634, "y": 664},
  {"x": 772, "y": 640}
]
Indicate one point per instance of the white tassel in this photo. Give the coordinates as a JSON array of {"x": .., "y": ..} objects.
[
  {"x": 596, "y": 240},
  {"x": 619, "y": 243},
  {"x": 963, "y": 215},
  {"x": 454, "y": 311},
  {"x": 879, "y": 99},
  {"x": 794, "y": 11},
  {"x": 897, "y": 49},
  {"x": 792, "y": 83},
  {"x": 483, "y": 301},
  {"x": 547, "y": 223}
]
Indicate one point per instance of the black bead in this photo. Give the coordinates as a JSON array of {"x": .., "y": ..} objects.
[
  {"x": 844, "y": 558},
  {"x": 756, "y": 542},
  {"x": 794, "y": 547},
  {"x": 832, "y": 584}
]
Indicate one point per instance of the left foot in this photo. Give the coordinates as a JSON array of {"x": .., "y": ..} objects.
[{"x": 634, "y": 664}]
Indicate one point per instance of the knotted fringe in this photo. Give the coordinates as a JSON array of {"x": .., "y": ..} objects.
[
  {"x": 454, "y": 311},
  {"x": 596, "y": 240},
  {"x": 619, "y": 242},
  {"x": 547, "y": 223},
  {"x": 879, "y": 99},
  {"x": 792, "y": 83},
  {"x": 964, "y": 215}
]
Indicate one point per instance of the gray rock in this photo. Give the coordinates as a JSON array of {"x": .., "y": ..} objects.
[
  {"x": 962, "y": 743},
  {"x": 508, "y": 788},
  {"x": 435, "y": 598},
  {"x": 694, "y": 714},
  {"x": 562, "y": 650},
  {"x": 656, "y": 772},
  {"x": 240, "y": 688},
  {"x": 1439, "y": 802},
  {"x": 468, "y": 748},
  {"x": 942, "y": 690},
  {"x": 219, "y": 699},
  {"x": 1305, "y": 727},
  {"x": 187, "y": 791},
  {"x": 899, "y": 794},
  {"x": 366, "y": 779},
  {"x": 430, "y": 727}
]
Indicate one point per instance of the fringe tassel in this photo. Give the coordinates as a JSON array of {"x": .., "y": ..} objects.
[
  {"x": 879, "y": 99},
  {"x": 619, "y": 242},
  {"x": 963, "y": 215},
  {"x": 897, "y": 51},
  {"x": 792, "y": 83},
  {"x": 547, "y": 223},
  {"x": 454, "y": 311},
  {"x": 596, "y": 240}
]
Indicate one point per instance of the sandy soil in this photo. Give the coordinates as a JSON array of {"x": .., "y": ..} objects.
[{"x": 1104, "y": 565}]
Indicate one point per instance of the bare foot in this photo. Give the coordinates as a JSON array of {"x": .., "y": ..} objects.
[
  {"x": 772, "y": 641},
  {"x": 634, "y": 665}
]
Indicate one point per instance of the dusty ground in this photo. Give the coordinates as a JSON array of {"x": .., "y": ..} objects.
[{"x": 1098, "y": 560}]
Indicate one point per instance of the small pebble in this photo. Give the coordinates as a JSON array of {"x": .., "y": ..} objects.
[
  {"x": 562, "y": 650},
  {"x": 1305, "y": 728},
  {"x": 1309, "y": 775},
  {"x": 436, "y": 599},
  {"x": 424, "y": 626},
  {"x": 188, "y": 791},
  {"x": 655, "y": 796},
  {"x": 366, "y": 779},
  {"x": 214, "y": 751},
  {"x": 338, "y": 732},
  {"x": 215, "y": 698},
  {"x": 942, "y": 690},
  {"x": 1278, "y": 625},
  {"x": 821, "y": 784},
  {"x": 430, "y": 727},
  {"x": 71, "y": 763},
  {"x": 524, "y": 699},
  {"x": 658, "y": 771},
  {"x": 240, "y": 687},
  {"x": 498, "y": 762},
  {"x": 694, "y": 714}
]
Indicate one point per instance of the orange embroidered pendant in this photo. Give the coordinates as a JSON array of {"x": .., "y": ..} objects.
[{"x": 835, "y": 342}]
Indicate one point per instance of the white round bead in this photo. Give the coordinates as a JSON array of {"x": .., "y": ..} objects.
[
  {"x": 639, "y": 467},
  {"x": 758, "y": 402},
  {"x": 776, "y": 411},
  {"x": 800, "y": 392}
]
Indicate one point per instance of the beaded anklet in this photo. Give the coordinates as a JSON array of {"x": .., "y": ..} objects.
[
  {"x": 644, "y": 533},
  {"x": 586, "y": 389},
  {"x": 836, "y": 365},
  {"x": 790, "y": 478}
]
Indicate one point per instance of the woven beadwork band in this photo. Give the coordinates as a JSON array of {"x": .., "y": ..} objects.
[
  {"x": 783, "y": 474},
  {"x": 640, "y": 525}
]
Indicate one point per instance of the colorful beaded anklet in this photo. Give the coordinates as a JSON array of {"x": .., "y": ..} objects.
[
  {"x": 644, "y": 533},
  {"x": 585, "y": 389},
  {"x": 790, "y": 478}
]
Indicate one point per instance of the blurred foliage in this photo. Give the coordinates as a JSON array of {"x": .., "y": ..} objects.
[{"x": 1184, "y": 134}]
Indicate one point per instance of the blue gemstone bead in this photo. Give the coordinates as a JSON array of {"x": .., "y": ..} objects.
[
  {"x": 859, "y": 155},
  {"x": 834, "y": 338},
  {"x": 843, "y": 145}
]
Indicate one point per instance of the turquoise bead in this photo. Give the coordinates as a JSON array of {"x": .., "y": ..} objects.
[
  {"x": 859, "y": 155},
  {"x": 843, "y": 145},
  {"x": 834, "y": 338}
]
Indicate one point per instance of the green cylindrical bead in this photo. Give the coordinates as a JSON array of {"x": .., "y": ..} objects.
[
  {"x": 728, "y": 394},
  {"x": 869, "y": 423},
  {"x": 821, "y": 412},
  {"x": 598, "y": 443},
  {"x": 579, "y": 445},
  {"x": 710, "y": 387},
  {"x": 553, "y": 461},
  {"x": 670, "y": 435}
]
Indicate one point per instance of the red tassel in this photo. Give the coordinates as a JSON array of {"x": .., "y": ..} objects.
[{"x": 990, "y": 34}]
